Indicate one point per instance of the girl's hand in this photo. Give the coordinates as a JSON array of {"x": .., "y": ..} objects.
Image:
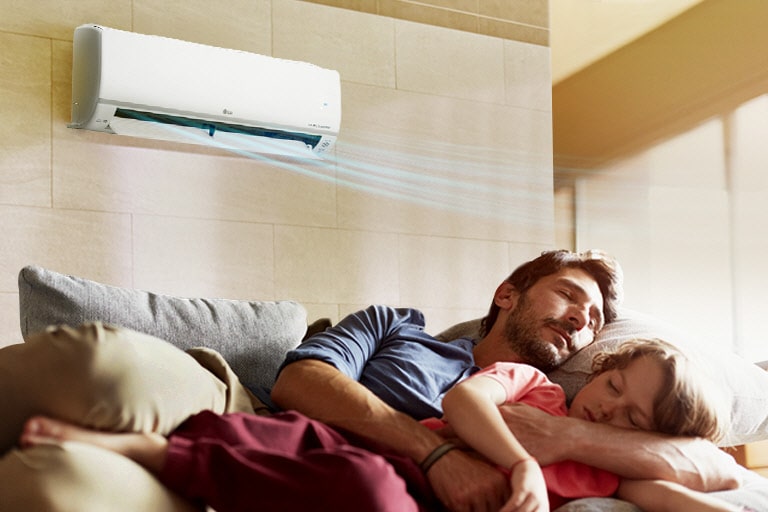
[{"x": 529, "y": 491}]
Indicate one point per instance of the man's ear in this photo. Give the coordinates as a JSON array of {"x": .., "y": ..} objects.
[{"x": 506, "y": 296}]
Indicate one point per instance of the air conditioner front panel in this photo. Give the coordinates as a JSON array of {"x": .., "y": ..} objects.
[
  {"x": 222, "y": 83},
  {"x": 114, "y": 69}
]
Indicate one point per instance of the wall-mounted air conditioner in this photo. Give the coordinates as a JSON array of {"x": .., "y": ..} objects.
[{"x": 161, "y": 88}]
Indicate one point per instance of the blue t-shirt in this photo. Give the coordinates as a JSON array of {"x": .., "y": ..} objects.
[{"x": 387, "y": 351}]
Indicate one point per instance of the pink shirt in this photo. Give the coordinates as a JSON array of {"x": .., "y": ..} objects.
[{"x": 565, "y": 480}]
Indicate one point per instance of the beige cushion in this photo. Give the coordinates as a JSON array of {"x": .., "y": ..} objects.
[
  {"x": 102, "y": 377},
  {"x": 75, "y": 477},
  {"x": 117, "y": 379}
]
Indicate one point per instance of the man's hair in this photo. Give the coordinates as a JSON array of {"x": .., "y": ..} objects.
[
  {"x": 687, "y": 404},
  {"x": 602, "y": 267}
]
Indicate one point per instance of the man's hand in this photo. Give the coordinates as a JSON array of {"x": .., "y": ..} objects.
[
  {"x": 692, "y": 462},
  {"x": 465, "y": 484},
  {"x": 540, "y": 433}
]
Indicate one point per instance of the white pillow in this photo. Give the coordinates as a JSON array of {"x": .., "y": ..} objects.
[{"x": 743, "y": 383}]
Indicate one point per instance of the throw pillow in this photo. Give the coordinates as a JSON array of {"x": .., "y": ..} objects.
[{"x": 252, "y": 336}]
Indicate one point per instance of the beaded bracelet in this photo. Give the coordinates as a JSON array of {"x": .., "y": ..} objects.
[{"x": 435, "y": 456}]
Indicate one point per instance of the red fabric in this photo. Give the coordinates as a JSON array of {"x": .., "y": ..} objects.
[
  {"x": 287, "y": 462},
  {"x": 565, "y": 480}
]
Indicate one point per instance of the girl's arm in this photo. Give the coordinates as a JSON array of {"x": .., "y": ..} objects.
[
  {"x": 471, "y": 408},
  {"x": 663, "y": 496}
]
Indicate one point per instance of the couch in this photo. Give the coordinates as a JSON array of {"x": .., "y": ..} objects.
[{"x": 224, "y": 349}]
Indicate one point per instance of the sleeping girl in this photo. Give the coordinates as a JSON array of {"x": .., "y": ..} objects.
[{"x": 645, "y": 384}]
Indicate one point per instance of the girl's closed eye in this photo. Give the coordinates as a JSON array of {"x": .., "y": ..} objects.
[{"x": 613, "y": 386}]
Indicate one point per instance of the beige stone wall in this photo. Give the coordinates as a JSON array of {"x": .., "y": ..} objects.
[
  {"x": 689, "y": 221},
  {"x": 441, "y": 181}
]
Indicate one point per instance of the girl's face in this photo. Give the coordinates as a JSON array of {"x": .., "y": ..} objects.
[{"x": 621, "y": 397}]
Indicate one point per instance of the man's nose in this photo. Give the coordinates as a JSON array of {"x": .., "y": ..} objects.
[{"x": 578, "y": 316}]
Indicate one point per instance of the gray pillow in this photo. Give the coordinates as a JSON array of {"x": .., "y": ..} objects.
[{"x": 253, "y": 336}]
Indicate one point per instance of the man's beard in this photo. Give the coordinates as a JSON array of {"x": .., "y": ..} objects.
[{"x": 521, "y": 332}]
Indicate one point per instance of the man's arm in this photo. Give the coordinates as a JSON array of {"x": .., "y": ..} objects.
[
  {"x": 320, "y": 391},
  {"x": 692, "y": 462}
]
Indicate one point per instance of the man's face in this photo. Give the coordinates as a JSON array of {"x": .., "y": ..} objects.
[{"x": 557, "y": 316}]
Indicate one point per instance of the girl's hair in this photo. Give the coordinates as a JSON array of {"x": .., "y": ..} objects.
[
  {"x": 687, "y": 405},
  {"x": 602, "y": 267}
]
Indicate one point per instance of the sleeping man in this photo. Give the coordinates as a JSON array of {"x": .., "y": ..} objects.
[{"x": 376, "y": 373}]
